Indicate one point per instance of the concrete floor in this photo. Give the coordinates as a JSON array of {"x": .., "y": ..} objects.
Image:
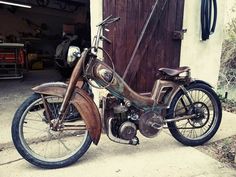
[
  {"x": 14, "y": 92},
  {"x": 158, "y": 157}
]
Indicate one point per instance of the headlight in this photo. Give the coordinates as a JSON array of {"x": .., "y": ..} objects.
[{"x": 72, "y": 55}]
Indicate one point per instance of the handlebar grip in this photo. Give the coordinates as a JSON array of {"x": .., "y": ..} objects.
[{"x": 116, "y": 19}]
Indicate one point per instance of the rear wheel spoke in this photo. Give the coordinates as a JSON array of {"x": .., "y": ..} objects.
[{"x": 204, "y": 109}]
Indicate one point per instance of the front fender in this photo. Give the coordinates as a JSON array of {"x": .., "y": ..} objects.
[{"x": 82, "y": 101}]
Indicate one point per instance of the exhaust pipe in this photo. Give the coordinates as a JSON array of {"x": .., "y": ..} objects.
[{"x": 134, "y": 141}]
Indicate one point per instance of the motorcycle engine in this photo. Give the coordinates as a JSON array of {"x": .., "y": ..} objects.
[
  {"x": 150, "y": 124},
  {"x": 125, "y": 118}
]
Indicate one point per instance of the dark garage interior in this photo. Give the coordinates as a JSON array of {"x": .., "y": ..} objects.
[
  {"x": 28, "y": 41},
  {"x": 29, "y": 36}
]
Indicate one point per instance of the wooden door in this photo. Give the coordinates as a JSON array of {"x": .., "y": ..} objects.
[{"x": 158, "y": 47}]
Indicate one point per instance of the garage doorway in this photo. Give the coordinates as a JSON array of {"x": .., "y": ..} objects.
[{"x": 40, "y": 29}]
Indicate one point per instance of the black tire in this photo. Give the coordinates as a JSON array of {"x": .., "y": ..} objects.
[
  {"x": 207, "y": 124},
  {"x": 25, "y": 146}
]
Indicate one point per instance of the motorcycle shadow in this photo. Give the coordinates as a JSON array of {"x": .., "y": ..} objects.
[{"x": 106, "y": 148}]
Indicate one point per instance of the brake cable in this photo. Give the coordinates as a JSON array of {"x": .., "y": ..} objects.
[{"x": 206, "y": 18}]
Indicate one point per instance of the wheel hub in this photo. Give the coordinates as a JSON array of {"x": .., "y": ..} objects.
[
  {"x": 56, "y": 125},
  {"x": 202, "y": 115}
]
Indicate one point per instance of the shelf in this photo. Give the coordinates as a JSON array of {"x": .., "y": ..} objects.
[{"x": 10, "y": 67}]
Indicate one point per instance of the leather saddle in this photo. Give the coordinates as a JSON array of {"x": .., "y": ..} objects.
[{"x": 174, "y": 72}]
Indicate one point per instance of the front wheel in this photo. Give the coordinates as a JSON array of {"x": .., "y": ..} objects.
[
  {"x": 42, "y": 146},
  {"x": 207, "y": 111}
]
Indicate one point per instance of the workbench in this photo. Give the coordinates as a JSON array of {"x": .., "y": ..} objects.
[{"x": 11, "y": 63}]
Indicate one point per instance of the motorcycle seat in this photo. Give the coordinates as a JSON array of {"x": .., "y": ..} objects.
[{"x": 174, "y": 72}]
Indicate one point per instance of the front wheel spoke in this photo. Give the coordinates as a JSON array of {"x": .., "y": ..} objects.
[
  {"x": 33, "y": 120},
  {"x": 46, "y": 147},
  {"x": 39, "y": 115},
  {"x": 34, "y": 128},
  {"x": 54, "y": 110},
  {"x": 68, "y": 149}
]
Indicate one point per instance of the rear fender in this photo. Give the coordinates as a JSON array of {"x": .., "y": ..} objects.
[
  {"x": 200, "y": 82},
  {"x": 82, "y": 101}
]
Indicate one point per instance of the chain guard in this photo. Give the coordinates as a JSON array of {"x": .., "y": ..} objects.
[{"x": 150, "y": 124}]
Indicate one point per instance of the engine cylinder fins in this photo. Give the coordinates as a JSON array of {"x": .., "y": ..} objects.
[
  {"x": 127, "y": 130},
  {"x": 150, "y": 124}
]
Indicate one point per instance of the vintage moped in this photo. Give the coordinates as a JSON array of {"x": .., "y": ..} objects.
[{"x": 55, "y": 126}]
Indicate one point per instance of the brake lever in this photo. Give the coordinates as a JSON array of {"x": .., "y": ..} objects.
[
  {"x": 106, "y": 39},
  {"x": 113, "y": 20},
  {"x": 116, "y": 19}
]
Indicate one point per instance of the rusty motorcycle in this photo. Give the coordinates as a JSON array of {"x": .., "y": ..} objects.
[{"x": 55, "y": 126}]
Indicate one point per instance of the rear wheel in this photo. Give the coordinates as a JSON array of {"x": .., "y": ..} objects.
[
  {"x": 207, "y": 112},
  {"x": 42, "y": 146}
]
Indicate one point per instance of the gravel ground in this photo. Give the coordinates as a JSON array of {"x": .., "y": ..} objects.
[{"x": 223, "y": 150}]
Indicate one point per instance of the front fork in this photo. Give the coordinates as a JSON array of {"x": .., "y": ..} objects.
[{"x": 77, "y": 71}]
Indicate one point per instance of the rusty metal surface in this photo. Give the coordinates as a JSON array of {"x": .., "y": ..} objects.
[
  {"x": 81, "y": 100},
  {"x": 47, "y": 110},
  {"x": 77, "y": 71},
  {"x": 161, "y": 94},
  {"x": 52, "y": 88},
  {"x": 176, "y": 71},
  {"x": 119, "y": 87},
  {"x": 89, "y": 112},
  {"x": 150, "y": 124}
]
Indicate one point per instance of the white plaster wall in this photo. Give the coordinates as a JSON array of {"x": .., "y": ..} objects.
[
  {"x": 96, "y": 10},
  {"x": 202, "y": 57},
  {"x": 96, "y": 14}
]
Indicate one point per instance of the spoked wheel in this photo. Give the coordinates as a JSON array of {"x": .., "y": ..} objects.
[
  {"x": 206, "y": 110},
  {"x": 42, "y": 146}
]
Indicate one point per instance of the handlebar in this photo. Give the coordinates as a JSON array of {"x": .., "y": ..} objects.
[
  {"x": 101, "y": 26},
  {"x": 108, "y": 20}
]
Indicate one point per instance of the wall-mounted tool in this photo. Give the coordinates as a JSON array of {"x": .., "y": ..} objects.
[{"x": 208, "y": 8}]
